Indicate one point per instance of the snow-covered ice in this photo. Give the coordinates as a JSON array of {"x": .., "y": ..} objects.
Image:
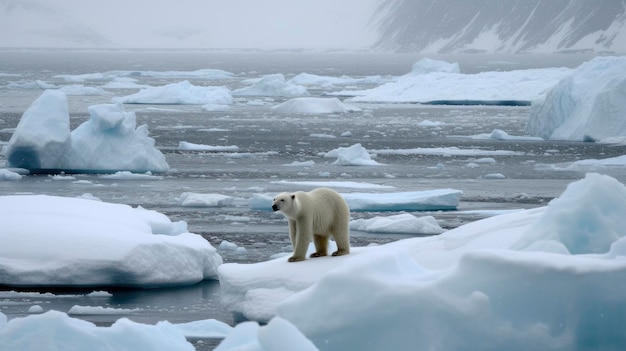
[
  {"x": 531, "y": 279},
  {"x": 189, "y": 199},
  {"x": 185, "y": 145},
  {"x": 588, "y": 104},
  {"x": 59, "y": 241},
  {"x": 183, "y": 93},
  {"x": 108, "y": 141},
  {"x": 403, "y": 223},
  {"x": 313, "y": 105},
  {"x": 272, "y": 85},
  {"x": 498, "y": 134},
  {"x": 428, "y": 200},
  {"x": 432, "y": 81},
  {"x": 277, "y": 335},
  {"x": 355, "y": 155}
]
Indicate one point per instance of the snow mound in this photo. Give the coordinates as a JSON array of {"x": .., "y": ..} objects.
[
  {"x": 589, "y": 104},
  {"x": 55, "y": 330},
  {"x": 58, "y": 241},
  {"x": 428, "y": 200},
  {"x": 272, "y": 85},
  {"x": 107, "y": 142},
  {"x": 468, "y": 286},
  {"x": 183, "y": 93},
  {"x": 355, "y": 155},
  {"x": 402, "y": 224},
  {"x": 310, "y": 105}
]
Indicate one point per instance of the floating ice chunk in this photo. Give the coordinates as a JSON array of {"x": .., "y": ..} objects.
[
  {"x": 426, "y": 65},
  {"x": 55, "y": 330},
  {"x": 205, "y": 200},
  {"x": 300, "y": 164},
  {"x": 42, "y": 137},
  {"x": 311, "y": 105},
  {"x": 428, "y": 123},
  {"x": 207, "y": 328},
  {"x": 184, "y": 145},
  {"x": 215, "y": 108},
  {"x": 6, "y": 174},
  {"x": 34, "y": 309},
  {"x": 108, "y": 141},
  {"x": 179, "y": 94},
  {"x": 355, "y": 155},
  {"x": 97, "y": 310},
  {"x": 312, "y": 79},
  {"x": 589, "y": 104},
  {"x": 272, "y": 85},
  {"x": 498, "y": 134},
  {"x": 494, "y": 176},
  {"x": 402, "y": 224},
  {"x": 74, "y": 242}
]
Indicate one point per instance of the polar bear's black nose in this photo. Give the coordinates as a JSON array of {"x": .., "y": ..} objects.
[{"x": 274, "y": 208}]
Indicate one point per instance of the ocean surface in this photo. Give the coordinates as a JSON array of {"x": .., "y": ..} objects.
[{"x": 268, "y": 141}]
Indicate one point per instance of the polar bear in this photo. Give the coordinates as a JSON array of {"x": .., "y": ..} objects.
[{"x": 315, "y": 216}]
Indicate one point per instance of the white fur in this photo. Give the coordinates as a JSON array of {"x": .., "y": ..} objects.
[{"x": 315, "y": 216}]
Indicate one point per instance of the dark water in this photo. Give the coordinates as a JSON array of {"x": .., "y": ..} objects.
[{"x": 267, "y": 142}]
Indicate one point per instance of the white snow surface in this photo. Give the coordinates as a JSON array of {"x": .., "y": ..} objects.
[
  {"x": 528, "y": 280},
  {"x": 272, "y": 85},
  {"x": 432, "y": 80},
  {"x": 403, "y": 223},
  {"x": 63, "y": 241},
  {"x": 312, "y": 105},
  {"x": 183, "y": 93},
  {"x": 427, "y": 200},
  {"x": 108, "y": 141},
  {"x": 588, "y": 104}
]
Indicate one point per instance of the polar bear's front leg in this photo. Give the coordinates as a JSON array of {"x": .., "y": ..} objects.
[{"x": 304, "y": 232}]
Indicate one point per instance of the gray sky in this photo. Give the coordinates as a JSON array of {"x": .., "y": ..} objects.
[{"x": 187, "y": 23}]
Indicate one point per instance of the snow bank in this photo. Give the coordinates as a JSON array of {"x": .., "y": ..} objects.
[
  {"x": 439, "y": 82},
  {"x": 272, "y": 85},
  {"x": 310, "y": 105},
  {"x": 589, "y": 104},
  {"x": 57, "y": 241},
  {"x": 398, "y": 224},
  {"x": 429, "y": 200},
  {"x": 108, "y": 141},
  {"x": 355, "y": 155},
  {"x": 183, "y": 93},
  {"x": 55, "y": 330},
  {"x": 492, "y": 284}
]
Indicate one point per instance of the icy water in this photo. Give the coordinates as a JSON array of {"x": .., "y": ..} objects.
[{"x": 268, "y": 141}]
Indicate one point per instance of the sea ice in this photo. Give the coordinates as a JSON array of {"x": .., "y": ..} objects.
[
  {"x": 184, "y": 145},
  {"x": 312, "y": 105},
  {"x": 355, "y": 155},
  {"x": 59, "y": 241},
  {"x": 588, "y": 104},
  {"x": 107, "y": 142},
  {"x": 403, "y": 223},
  {"x": 183, "y": 93},
  {"x": 272, "y": 85},
  {"x": 205, "y": 200},
  {"x": 429, "y": 200},
  {"x": 531, "y": 279}
]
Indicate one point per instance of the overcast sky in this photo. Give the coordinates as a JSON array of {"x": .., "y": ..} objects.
[{"x": 188, "y": 23}]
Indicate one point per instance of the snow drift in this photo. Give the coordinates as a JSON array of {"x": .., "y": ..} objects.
[
  {"x": 109, "y": 141},
  {"x": 589, "y": 104}
]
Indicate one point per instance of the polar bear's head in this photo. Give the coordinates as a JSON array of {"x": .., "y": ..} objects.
[{"x": 284, "y": 202}]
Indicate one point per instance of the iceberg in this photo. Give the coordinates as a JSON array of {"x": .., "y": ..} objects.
[
  {"x": 272, "y": 85},
  {"x": 427, "y": 200},
  {"x": 437, "y": 82},
  {"x": 589, "y": 104},
  {"x": 310, "y": 105},
  {"x": 355, "y": 155},
  {"x": 504, "y": 282},
  {"x": 59, "y": 241},
  {"x": 109, "y": 141},
  {"x": 183, "y": 93}
]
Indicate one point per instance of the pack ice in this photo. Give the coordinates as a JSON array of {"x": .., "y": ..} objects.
[{"x": 109, "y": 141}]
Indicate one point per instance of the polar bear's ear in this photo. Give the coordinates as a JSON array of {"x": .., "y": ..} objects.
[{"x": 293, "y": 196}]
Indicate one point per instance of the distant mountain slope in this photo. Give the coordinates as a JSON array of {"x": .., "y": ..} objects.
[{"x": 449, "y": 26}]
